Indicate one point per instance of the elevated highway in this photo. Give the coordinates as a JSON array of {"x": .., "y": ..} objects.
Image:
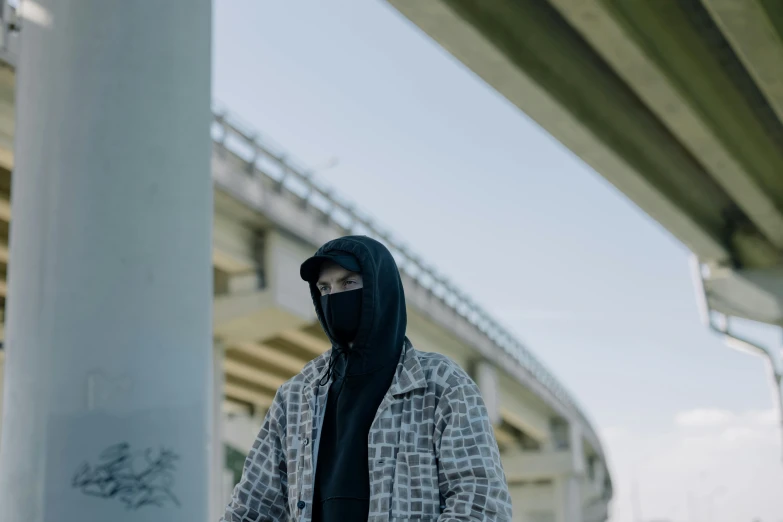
[{"x": 269, "y": 216}]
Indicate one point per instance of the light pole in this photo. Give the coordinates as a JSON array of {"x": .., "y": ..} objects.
[
  {"x": 710, "y": 499},
  {"x": 771, "y": 357}
]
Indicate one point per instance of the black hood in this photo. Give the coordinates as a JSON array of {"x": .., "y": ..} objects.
[{"x": 381, "y": 332}]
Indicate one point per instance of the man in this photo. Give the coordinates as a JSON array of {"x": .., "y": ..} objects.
[{"x": 373, "y": 429}]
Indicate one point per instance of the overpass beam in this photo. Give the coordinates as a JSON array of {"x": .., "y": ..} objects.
[
  {"x": 698, "y": 102},
  {"x": 251, "y": 316},
  {"x": 544, "y": 68},
  {"x": 755, "y": 32},
  {"x": 109, "y": 338}
]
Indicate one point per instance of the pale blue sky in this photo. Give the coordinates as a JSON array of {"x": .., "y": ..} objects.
[{"x": 598, "y": 290}]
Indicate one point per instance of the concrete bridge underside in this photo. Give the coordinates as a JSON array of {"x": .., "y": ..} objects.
[
  {"x": 265, "y": 329},
  {"x": 678, "y": 104}
]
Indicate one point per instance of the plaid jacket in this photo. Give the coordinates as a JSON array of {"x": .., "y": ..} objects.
[{"x": 432, "y": 453}]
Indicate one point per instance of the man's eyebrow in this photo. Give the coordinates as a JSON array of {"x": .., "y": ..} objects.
[{"x": 340, "y": 280}]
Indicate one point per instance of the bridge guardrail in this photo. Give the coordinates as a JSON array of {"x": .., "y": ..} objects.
[{"x": 241, "y": 139}]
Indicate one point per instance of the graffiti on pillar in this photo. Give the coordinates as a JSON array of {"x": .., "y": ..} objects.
[{"x": 137, "y": 479}]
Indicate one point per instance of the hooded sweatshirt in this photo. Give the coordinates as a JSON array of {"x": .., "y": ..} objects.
[{"x": 361, "y": 376}]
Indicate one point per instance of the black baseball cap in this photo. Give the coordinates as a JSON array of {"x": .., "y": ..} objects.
[{"x": 311, "y": 269}]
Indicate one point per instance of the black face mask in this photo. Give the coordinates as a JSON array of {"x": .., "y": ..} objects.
[{"x": 342, "y": 313}]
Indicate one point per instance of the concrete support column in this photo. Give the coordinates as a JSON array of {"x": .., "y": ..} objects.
[
  {"x": 532, "y": 502},
  {"x": 487, "y": 380},
  {"x": 2, "y": 373},
  {"x": 569, "y": 486},
  {"x": 577, "y": 447},
  {"x": 568, "y": 440},
  {"x": 216, "y": 476},
  {"x": 559, "y": 435},
  {"x": 568, "y": 499},
  {"x": 108, "y": 333},
  {"x": 517, "y": 494}
]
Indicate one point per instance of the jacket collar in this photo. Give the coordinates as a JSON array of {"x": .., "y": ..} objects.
[
  {"x": 315, "y": 369},
  {"x": 409, "y": 375}
]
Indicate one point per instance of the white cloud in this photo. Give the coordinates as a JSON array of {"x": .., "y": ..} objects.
[
  {"x": 722, "y": 430},
  {"x": 716, "y": 428},
  {"x": 768, "y": 417},
  {"x": 715, "y": 418},
  {"x": 704, "y": 417}
]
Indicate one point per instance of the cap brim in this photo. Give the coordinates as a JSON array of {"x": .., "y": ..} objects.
[{"x": 311, "y": 269}]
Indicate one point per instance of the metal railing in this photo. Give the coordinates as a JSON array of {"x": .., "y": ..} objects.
[{"x": 265, "y": 157}]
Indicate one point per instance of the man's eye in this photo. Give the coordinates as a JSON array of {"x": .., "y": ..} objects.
[{"x": 350, "y": 282}]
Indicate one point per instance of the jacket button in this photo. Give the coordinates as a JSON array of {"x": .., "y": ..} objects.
[
  {"x": 300, "y": 504},
  {"x": 306, "y": 442}
]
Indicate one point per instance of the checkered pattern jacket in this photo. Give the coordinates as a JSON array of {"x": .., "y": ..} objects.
[{"x": 432, "y": 453}]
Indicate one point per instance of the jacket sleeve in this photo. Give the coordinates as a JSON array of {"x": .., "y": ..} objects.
[
  {"x": 470, "y": 475},
  {"x": 262, "y": 492}
]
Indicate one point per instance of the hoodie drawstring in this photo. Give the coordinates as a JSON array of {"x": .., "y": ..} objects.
[{"x": 332, "y": 362}]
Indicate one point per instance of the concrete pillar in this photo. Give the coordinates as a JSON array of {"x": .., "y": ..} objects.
[
  {"x": 487, "y": 381},
  {"x": 567, "y": 439},
  {"x": 559, "y": 435},
  {"x": 108, "y": 334},
  {"x": 517, "y": 503},
  {"x": 568, "y": 487},
  {"x": 532, "y": 502},
  {"x": 2, "y": 368},
  {"x": 577, "y": 447},
  {"x": 568, "y": 499},
  {"x": 217, "y": 476}
]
